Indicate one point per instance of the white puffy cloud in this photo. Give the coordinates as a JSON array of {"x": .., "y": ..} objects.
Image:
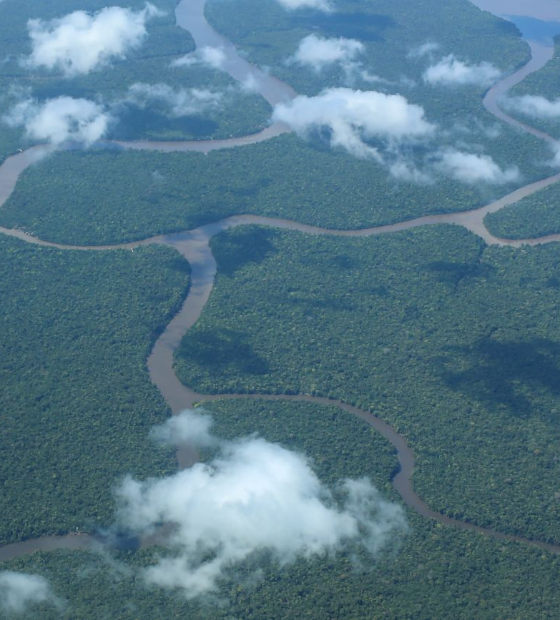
[
  {"x": 317, "y": 52},
  {"x": 386, "y": 128},
  {"x": 471, "y": 168},
  {"x": 253, "y": 496},
  {"x": 60, "y": 120},
  {"x": 20, "y": 591},
  {"x": 450, "y": 71},
  {"x": 79, "y": 43},
  {"x": 354, "y": 116},
  {"x": 534, "y": 105},
  {"x": 292, "y": 5},
  {"x": 180, "y": 101}
]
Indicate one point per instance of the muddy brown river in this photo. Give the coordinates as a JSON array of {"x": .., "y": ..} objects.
[{"x": 194, "y": 246}]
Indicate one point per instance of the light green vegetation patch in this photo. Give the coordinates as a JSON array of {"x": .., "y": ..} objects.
[
  {"x": 433, "y": 572},
  {"x": 454, "y": 343},
  {"x": 535, "y": 216},
  {"x": 76, "y": 402},
  {"x": 148, "y": 193}
]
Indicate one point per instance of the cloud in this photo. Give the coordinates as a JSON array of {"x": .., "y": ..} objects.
[
  {"x": 213, "y": 57},
  {"x": 78, "y": 43},
  {"x": 292, "y": 5},
  {"x": 352, "y": 117},
  {"x": 60, "y": 120},
  {"x": 19, "y": 591},
  {"x": 404, "y": 170},
  {"x": 179, "y": 102},
  {"x": 251, "y": 84},
  {"x": 471, "y": 168},
  {"x": 386, "y": 128},
  {"x": 426, "y": 49},
  {"x": 464, "y": 167},
  {"x": 533, "y": 105},
  {"x": 555, "y": 161},
  {"x": 450, "y": 71},
  {"x": 190, "y": 428},
  {"x": 318, "y": 52},
  {"x": 252, "y": 496}
]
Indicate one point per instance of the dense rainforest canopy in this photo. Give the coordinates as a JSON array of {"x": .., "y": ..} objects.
[{"x": 454, "y": 343}]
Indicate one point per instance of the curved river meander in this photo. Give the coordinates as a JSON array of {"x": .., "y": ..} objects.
[{"x": 194, "y": 246}]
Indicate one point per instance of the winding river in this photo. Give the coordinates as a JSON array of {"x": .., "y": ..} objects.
[{"x": 194, "y": 246}]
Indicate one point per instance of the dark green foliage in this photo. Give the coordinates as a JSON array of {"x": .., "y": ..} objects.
[
  {"x": 455, "y": 344},
  {"x": 240, "y": 113},
  {"x": 436, "y": 573},
  {"x": 339, "y": 444},
  {"x": 76, "y": 401},
  {"x": 390, "y": 31},
  {"x": 286, "y": 177},
  {"x": 535, "y": 216},
  {"x": 150, "y": 193},
  {"x": 17, "y": 80},
  {"x": 539, "y": 214}
]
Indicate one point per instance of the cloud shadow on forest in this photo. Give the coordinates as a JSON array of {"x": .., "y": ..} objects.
[
  {"x": 248, "y": 245},
  {"x": 453, "y": 273},
  {"x": 512, "y": 374},
  {"x": 223, "y": 347},
  {"x": 361, "y": 26}
]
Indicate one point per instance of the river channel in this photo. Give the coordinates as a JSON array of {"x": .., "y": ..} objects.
[{"x": 194, "y": 246}]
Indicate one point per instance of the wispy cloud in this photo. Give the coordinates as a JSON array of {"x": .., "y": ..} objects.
[
  {"x": 317, "y": 53},
  {"x": 472, "y": 168},
  {"x": 292, "y": 5},
  {"x": 79, "y": 43},
  {"x": 177, "y": 101},
  {"x": 426, "y": 49},
  {"x": 19, "y": 592},
  {"x": 253, "y": 496},
  {"x": 213, "y": 57},
  {"x": 555, "y": 161},
  {"x": 533, "y": 105},
  {"x": 450, "y": 71}
]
